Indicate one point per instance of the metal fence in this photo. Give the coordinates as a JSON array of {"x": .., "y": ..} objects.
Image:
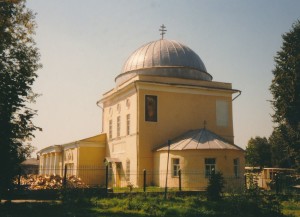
[{"x": 117, "y": 180}]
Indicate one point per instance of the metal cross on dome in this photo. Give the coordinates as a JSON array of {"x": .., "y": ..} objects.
[{"x": 162, "y": 30}]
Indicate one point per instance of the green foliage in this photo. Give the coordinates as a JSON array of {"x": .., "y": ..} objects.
[
  {"x": 247, "y": 204},
  {"x": 285, "y": 89},
  {"x": 280, "y": 151},
  {"x": 18, "y": 62},
  {"x": 291, "y": 207},
  {"x": 253, "y": 203},
  {"x": 215, "y": 186},
  {"x": 252, "y": 179},
  {"x": 258, "y": 152}
]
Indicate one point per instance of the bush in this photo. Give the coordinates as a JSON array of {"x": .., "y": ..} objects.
[{"x": 215, "y": 186}]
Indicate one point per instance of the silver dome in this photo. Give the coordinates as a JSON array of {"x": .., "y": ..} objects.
[{"x": 166, "y": 58}]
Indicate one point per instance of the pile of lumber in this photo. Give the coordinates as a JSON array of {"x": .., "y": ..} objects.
[{"x": 38, "y": 182}]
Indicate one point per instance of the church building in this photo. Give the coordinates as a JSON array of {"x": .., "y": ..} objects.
[{"x": 166, "y": 112}]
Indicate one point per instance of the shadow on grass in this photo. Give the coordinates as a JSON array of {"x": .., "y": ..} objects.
[{"x": 57, "y": 210}]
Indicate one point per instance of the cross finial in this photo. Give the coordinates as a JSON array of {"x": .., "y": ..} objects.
[{"x": 162, "y": 30}]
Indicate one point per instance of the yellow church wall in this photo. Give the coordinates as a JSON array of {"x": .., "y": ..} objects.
[
  {"x": 182, "y": 105},
  {"x": 192, "y": 165},
  {"x": 179, "y": 110},
  {"x": 91, "y": 168},
  {"x": 128, "y": 156},
  {"x": 122, "y": 146},
  {"x": 83, "y": 159}
]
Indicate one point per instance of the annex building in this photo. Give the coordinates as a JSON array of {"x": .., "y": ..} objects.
[{"x": 164, "y": 111}]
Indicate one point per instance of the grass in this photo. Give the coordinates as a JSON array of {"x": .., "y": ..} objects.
[
  {"x": 291, "y": 207},
  {"x": 142, "y": 205}
]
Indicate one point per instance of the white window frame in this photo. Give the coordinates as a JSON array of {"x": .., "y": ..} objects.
[
  {"x": 175, "y": 167},
  {"x": 236, "y": 167},
  {"x": 210, "y": 166},
  {"x": 127, "y": 176},
  {"x": 118, "y": 126},
  {"x": 128, "y": 124},
  {"x": 110, "y": 131}
]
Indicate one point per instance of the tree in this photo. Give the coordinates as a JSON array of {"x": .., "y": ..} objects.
[
  {"x": 258, "y": 152},
  {"x": 19, "y": 60},
  {"x": 279, "y": 150},
  {"x": 285, "y": 89}
]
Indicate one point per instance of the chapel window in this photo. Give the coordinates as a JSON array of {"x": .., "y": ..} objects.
[
  {"x": 236, "y": 167},
  {"x": 151, "y": 108},
  {"x": 128, "y": 123},
  {"x": 210, "y": 166},
  {"x": 110, "y": 129},
  {"x": 118, "y": 126},
  {"x": 175, "y": 166}
]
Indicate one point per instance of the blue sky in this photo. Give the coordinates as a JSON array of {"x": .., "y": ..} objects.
[{"x": 84, "y": 44}]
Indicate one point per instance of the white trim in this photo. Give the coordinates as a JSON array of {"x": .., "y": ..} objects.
[
  {"x": 122, "y": 93},
  {"x": 83, "y": 144},
  {"x": 50, "y": 149},
  {"x": 185, "y": 89}
]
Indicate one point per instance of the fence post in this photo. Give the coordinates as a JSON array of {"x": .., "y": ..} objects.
[
  {"x": 179, "y": 174},
  {"x": 145, "y": 176},
  {"x": 106, "y": 178},
  {"x": 166, "y": 184},
  {"x": 65, "y": 177},
  {"x": 277, "y": 183}
]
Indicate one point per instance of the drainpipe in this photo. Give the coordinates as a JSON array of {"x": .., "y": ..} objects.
[
  {"x": 137, "y": 128},
  {"x": 239, "y": 93},
  {"x": 97, "y": 103}
]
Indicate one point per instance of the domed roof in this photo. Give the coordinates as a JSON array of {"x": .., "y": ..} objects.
[
  {"x": 167, "y": 58},
  {"x": 198, "y": 140}
]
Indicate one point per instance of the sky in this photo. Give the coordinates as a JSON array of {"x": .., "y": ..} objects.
[{"x": 84, "y": 44}]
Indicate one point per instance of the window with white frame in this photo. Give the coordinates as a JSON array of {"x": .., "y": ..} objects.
[
  {"x": 236, "y": 167},
  {"x": 128, "y": 123},
  {"x": 210, "y": 166},
  {"x": 110, "y": 129},
  {"x": 175, "y": 166},
  {"x": 118, "y": 126}
]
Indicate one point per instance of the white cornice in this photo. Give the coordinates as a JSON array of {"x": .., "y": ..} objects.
[
  {"x": 50, "y": 149},
  {"x": 120, "y": 93},
  {"x": 189, "y": 89},
  {"x": 82, "y": 144},
  {"x": 165, "y": 84}
]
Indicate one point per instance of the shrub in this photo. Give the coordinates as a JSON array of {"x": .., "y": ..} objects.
[{"x": 215, "y": 186}]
